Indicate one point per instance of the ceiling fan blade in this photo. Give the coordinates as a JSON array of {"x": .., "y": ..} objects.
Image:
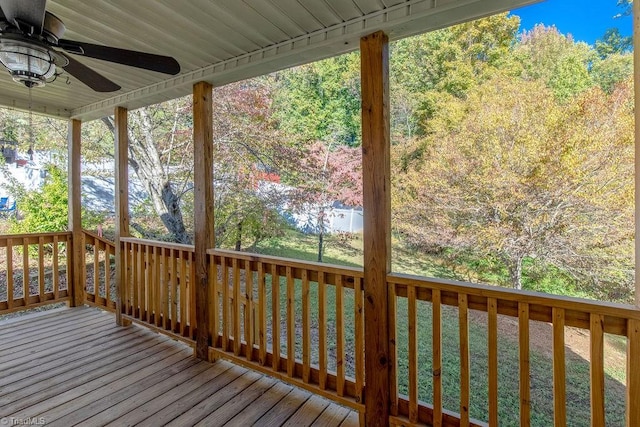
[
  {"x": 86, "y": 75},
  {"x": 21, "y": 12},
  {"x": 147, "y": 61}
]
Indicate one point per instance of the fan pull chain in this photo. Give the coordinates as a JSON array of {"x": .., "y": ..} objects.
[{"x": 31, "y": 138}]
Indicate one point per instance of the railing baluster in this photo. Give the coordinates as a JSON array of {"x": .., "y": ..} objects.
[
  {"x": 248, "y": 309},
  {"x": 413, "y": 354},
  {"x": 291, "y": 323},
  {"x": 523, "y": 340},
  {"x": 173, "y": 254},
  {"x": 492, "y": 325},
  {"x": 597, "y": 369},
  {"x": 192, "y": 294},
  {"x": 436, "y": 328},
  {"x": 96, "y": 271},
  {"x": 393, "y": 347},
  {"x": 158, "y": 284},
  {"x": 322, "y": 332},
  {"x": 55, "y": 269},
  {"x": 359, "y": 337},
  {"x": 25, "y": 270},
  {"x": 306, "y": 328},
  {"x": 10, "y": 296},
  {"x": 42, "y": 291},
  {"x": 165, "y": 286},
  {"x": 633, "y": 373},
  {"x": 225, "y": 303},
  {"x": 339, "y": 336},
  {"x": 107, "y": 275},
  {"x": 139, "y": 282},
  {"x": 275, "y": 317},
  {"x": 184, "y": 295},
  {"x": 148, "y": 283},
  {"x": 262, "y": 314},
  {"x": 125, "y": 257},
  {"x": 213, "y": 301},
  {"x": 463, "y": 319},
  {"x": 559, "y": 386},
  {"x": 236, "y": 307}
]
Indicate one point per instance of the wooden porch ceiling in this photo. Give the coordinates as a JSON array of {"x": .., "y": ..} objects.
[
  {"x": 76, "y": 366},
  {"x": 223, "y": 41}
]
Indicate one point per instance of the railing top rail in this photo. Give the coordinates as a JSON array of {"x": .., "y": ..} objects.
[
  {"x": 158, "y": 244},
  {"x": 28, "y": 235},
  {"x": 98, "y": 238},
  {"x": 287, "y": 262},
  {"x": 487, "y": 291},
  {"x": 33, "y": 237}
]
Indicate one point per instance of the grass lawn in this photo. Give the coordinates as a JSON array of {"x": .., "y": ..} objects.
[{"x": 349, "y": 253}]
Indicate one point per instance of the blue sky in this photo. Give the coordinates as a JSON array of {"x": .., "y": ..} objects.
[{"x": 586, "y": 20}]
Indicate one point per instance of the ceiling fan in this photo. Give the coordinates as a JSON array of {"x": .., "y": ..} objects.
[{"x": 32, "y": 50}]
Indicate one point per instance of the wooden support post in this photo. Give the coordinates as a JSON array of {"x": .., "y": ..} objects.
[
  {"x": 203, "y": 209},
  {"x": 377, "y": 224},
  {"x": 636, "y": 87},
  {"x": 121, "y": 138},
  {"x": 76, "y": 285}
]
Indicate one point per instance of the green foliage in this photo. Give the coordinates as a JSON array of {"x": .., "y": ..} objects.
[
  {"x": 521, "y": 175},
  {"x": 613, "y": 42},
  {"x": 557, "y": 60},
  {"x": 46, "y": 209},
  {"x": 612, "y": 71},
  {"x": 446, "y": 63},
  {"x": 321, "y": 101}
]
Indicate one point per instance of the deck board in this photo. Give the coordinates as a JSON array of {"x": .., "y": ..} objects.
[{"x": 76, "y": 367}]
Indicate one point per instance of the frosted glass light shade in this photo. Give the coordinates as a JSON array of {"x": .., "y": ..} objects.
[{"x": 27, "y": 65}]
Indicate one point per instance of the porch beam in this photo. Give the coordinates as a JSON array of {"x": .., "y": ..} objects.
[
  {"x": 121, "y": 205},
  {"x": 77, "y": 285},
  {"x": 374, "y": 53},
  {"x": 203, "y": 209}
]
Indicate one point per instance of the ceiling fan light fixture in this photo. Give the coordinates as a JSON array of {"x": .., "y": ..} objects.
[{"x": 30, "y": 65}]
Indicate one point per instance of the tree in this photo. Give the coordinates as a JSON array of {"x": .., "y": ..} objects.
[
  {"x": 612, "y": 71},
  {"x": 520, "y": 176},
  {"x": 557, "y": 60},
  {"x": 445, "y": 63},
  {"x": 613, "y": 42},
  {"x": 320, "y": 101},
  {"x": 250, "y": 151},
  {"x": 154, "y": 135},
  {"x": 246, "y": 142},
  {"x": 46, "y": 209},
  {"x": 330, "y": 175}
]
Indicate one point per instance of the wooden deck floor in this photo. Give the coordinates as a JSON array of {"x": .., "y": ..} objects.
[{"x": 76, "y": 367}]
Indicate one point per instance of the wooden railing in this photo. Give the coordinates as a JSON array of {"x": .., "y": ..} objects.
[
  {"x": 158, "y": 290},
  {"x": 303, "y": 322},
  {"x": 430, "y": 297},
  {"x": 299, "y": 321},
  {"x": 33, "y": 270},
  {"x": 98, "y": 271}
]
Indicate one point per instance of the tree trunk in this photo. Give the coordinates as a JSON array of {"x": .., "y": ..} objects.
[
  {"x": 145, "y": 161},
  {"x": 515, "y": 272},
  {"x": 320, "y": 227},
  {"x": 320, "y": 244},
  {"x": 239, "y": 236}
]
